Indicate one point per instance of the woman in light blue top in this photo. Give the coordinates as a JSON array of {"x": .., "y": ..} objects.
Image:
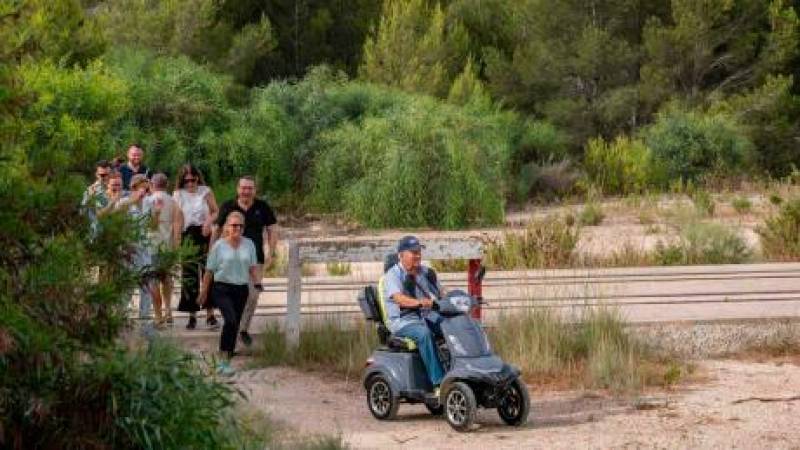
[{"x": 232, "y": 266}]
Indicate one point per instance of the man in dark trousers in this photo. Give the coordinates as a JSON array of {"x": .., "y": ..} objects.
[
  {"x": 133, "y": 167},
  {"x": 260, "y": 227}
]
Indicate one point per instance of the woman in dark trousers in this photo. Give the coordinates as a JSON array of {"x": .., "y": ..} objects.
[
  {"x": 232, "y": 265},
  {"x": 199, "y": 208}
]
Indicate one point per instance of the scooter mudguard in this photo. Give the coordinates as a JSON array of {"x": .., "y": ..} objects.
[
  {"x": 404, "y": 371},
  {"x": 488, "y": 370}
]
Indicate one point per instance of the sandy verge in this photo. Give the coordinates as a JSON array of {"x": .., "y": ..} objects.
[{"x": 702, "y": 415}]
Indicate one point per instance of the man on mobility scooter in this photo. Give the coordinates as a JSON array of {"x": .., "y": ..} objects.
[
  {"x": 430, "y": 341},
  {"x": 408, "y": 291}
]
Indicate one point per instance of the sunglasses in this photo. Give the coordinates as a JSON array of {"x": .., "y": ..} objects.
[
  {"x": 102, "y": 175},
  {"x": 190, "y": 180},
  {"x": 236, "y": 225}
]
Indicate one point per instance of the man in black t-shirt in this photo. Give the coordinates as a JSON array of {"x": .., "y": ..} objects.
[
  {"x": 133, "y": 167},
  {"x": 259, "y": 226}
]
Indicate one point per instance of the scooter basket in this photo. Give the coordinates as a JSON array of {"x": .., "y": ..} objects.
[{"x": 368, "y": 302}]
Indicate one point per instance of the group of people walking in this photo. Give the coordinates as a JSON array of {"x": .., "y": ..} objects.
[{"x": 234, "y": 242}]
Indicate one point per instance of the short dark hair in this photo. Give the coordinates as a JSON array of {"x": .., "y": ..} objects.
[{"x": 103, "y": 163}]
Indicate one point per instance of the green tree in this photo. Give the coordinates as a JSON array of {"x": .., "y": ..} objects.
[
  {"x": 714, "y": 47},
  {"x": 572, "y": 62},
  {"x": 414, "y": 49},
  {"x": 771, "y": 117},
  {"x": 194, "y": 28},
  {"x": 65, "y": 379},
  {"x": 307, "y": 32}
]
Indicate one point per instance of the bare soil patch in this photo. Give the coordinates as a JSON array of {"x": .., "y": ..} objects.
[{"x": 725, "y": 410}]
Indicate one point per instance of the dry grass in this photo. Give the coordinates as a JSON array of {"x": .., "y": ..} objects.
[
  {"x": 596, "y": 351},
  {"x": 327, "y": 344},
  {"x": 338, "y": 269},
  {"x": 545, "y": 243},
  {"x": 551, "y": 243}
]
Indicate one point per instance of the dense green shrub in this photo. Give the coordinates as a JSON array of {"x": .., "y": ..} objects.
[
  {"x": 422, "y": 162},
  {"x": 780, "y": 234},
  {"x": 539, "y": 161},
  {"x": 178, "y": 110},
  {"x": 591, "y": 215},
  {"x": 624, "y": 166},
  {"x": 704, "y": 243},
  {"x": 154, "y": 398},
  {"x": 691, "y": 144},
  {"x": 742, "y": 205},
  {"x": 71, "y": 115},
  {"x": 770, "y": 114}
]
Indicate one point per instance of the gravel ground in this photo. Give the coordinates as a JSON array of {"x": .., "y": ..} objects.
[{"x": 705, "y": 414}]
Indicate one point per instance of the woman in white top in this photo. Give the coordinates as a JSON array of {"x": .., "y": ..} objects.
[{"x": 199, "y": 208}]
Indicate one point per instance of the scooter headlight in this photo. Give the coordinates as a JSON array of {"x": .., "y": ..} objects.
[{"x": 462, "y": 303}]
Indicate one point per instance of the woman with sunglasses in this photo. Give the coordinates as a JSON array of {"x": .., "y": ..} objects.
[
  {"x": 199, "y": 208},
  {"x": 232, "y": 266}
]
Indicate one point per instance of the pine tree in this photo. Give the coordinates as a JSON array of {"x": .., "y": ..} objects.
[{"x": 414, "y": 49}]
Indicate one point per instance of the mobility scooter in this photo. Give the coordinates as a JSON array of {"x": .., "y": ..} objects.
[{"x": 474, "y": 376}]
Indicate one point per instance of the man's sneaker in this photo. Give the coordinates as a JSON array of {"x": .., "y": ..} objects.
[
  {"x": 212, "y": 323},
  {"x": 436, "y": 392},
  {"x": 192, "y": 324},
  {"x": 224, "y": 369},
  {"x": 247, "y": 340}
]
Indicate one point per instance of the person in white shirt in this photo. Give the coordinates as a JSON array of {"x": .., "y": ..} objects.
[
  {"x": 165, "y": 235},
  {"x": 199, "y": 208}
]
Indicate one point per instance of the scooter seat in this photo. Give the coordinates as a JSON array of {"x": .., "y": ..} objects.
[{"x": 401, "y": 344}]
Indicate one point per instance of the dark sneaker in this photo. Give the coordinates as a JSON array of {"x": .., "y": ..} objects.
[
  {"x": 192, "y": 324},
  {"x": 247, "y": 340},
  {"x": 212, "y": 323}
]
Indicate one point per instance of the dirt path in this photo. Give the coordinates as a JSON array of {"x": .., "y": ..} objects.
[{"x": 697, "y": 416}]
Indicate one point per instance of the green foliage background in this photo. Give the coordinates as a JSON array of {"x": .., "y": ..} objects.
[{"x": 394, "y": 112}]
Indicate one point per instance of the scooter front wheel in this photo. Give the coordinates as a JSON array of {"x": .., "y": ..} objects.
[
  {"x": 515, "y": 404},
  {"x": 460, "y": 406},
  {"x": 435, "y": 408},
  {"x": 381, "y": 400}
]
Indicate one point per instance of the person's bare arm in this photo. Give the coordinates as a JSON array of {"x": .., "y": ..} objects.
[
  {"x": 205, "y": 285},
  {"x": 405, "y": 301},
  {"x": 255, "y": 276},
  {"x": 177, "y": 225},
  {"x": 213, "y": 210},
  {"x": 271, "y": 238},
  {"x": 216, "y": 230}
]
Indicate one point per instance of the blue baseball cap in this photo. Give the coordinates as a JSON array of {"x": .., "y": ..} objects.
[{"x": 409, "y": 243}]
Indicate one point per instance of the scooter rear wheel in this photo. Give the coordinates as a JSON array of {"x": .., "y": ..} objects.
[
  {"x": 460, "y": 406},
  {"x": 515, "y": 404},
  {"x": 381, "y": 400}
]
